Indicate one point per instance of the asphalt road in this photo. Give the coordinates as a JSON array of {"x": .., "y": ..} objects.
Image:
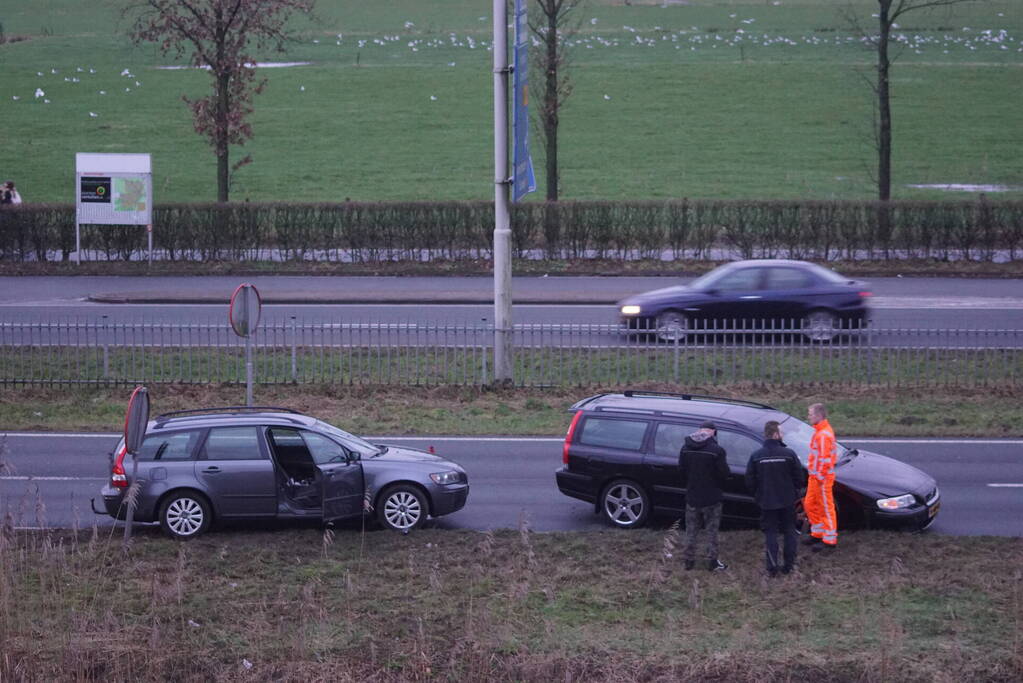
[
  {"x": 908, "y": 307},
  {"x": 50, "y": 479}
]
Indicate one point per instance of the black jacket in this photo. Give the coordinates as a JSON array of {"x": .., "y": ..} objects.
[
  {"x": 774, "y": 475},
  {"x": 703, "y": 470}
]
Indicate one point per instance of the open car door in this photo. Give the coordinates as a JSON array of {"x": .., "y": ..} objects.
[
  {"x": 342, "y": 491},
  {"x": 340, "y": 476}
]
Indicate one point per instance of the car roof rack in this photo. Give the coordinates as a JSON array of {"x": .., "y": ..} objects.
[
  {"x": 226, "y": 409},
  {"x": 630, "y": 393}
]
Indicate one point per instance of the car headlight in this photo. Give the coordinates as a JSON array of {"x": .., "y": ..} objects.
[
  {"x": 447, "y": 477},
  {"x": 896, "y": 503},
  {"x": 630, "y": 310}
]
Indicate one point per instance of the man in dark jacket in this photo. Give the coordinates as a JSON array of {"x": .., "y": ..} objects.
[
  {"x": 703, "y": 471},
  {"x": 774, "y": 476}
]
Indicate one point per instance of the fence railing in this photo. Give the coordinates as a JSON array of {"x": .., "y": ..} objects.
[{"x": 98, "y": 352}]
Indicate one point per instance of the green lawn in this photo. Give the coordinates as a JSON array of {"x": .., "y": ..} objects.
[{"x": 670, "y": 101}]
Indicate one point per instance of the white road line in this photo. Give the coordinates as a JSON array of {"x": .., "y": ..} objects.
[
  {"x": 63, "y": 435},
  {"x": 558, "y": 440},
  {"x": 996, "y": 442},
  {"x": 1006, "y": 486},
  {"x": 31, "y": 478}
]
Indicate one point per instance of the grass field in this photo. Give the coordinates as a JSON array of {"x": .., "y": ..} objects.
[
  {"x": 346, "y": 605},
  {"x": 710, "y": 98}
]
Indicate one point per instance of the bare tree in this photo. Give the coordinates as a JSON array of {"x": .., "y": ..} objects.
[
  {"x": 218, "y": 35},
  {"x": 553, "y": 26},
  {"x": 889, "y": 12}
]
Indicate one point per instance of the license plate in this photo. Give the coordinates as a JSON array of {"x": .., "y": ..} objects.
[{"x": 933, "y": 510}]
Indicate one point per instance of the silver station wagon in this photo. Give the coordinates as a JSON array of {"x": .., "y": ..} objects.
[{"x": 200, "y": 466}]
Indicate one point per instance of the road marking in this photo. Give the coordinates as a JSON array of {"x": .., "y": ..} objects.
[
  {"x": 535, "y": 439},
  {"x": 1003, "y": 442},
  {"x": 1006, "y": 486},
  {"x": 66, "y": 435},
  {"x": 33, "y": 478}
]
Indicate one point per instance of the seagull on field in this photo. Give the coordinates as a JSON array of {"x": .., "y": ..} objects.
[
  {"x": 93, "y": 114},
  {"x": 39, "y": 93}
]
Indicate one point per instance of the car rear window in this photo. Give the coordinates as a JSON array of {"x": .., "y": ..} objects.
[
  {"x": 787, "y": 278},
  {"x": 609, "y": 433},
  {"x": 233, "y": 443},
  {"x": 669, "y": 438},
  {"x": 172, "y": 446}
]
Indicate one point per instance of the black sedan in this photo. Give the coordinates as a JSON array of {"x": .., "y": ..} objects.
[
  {"x": 774, "y": 294},
  {"x": 621, "y": 455}
]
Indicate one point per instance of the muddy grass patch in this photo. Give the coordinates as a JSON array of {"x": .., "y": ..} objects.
[
  {"x": 478, "y": 411},
  {"x": 512, "y": 605}
]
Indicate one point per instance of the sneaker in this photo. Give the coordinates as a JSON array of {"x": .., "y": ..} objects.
[
  {"x": 688, "y": 564},
  {"x": 716, "y": 566},
  {"x": 773, "y": 573},
  {"x": 812, "y": 541},
  {"x": 822, "y": 546},
  {"x": 786, "y": 570}
]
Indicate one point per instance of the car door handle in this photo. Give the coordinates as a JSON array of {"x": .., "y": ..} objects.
[
  {"x": 211, "y": 470},
  {"x": 752, "y": 296}
]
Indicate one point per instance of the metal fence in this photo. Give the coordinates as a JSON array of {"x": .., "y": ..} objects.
[{"x": 99, "y": 352}]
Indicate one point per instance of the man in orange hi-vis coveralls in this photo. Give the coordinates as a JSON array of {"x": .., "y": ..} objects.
[{"x": 819, "y": 503}]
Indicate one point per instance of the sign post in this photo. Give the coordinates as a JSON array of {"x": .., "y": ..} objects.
[
  {"x": 135, "y": 421},
  {"x": 113, "y": 189},
  {"x": 244, "y": 312}
]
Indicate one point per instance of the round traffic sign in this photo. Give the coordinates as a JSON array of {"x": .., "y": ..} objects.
[{"x": 246, "y": 308}]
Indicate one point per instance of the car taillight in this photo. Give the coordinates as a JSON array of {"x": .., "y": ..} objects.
[
  {"x": 866, "y": 295},
  {"x": 118, "y": 477},
  {"x": 568, "y": 437}
]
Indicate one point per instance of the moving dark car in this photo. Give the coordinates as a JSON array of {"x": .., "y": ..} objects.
[
  {"x": 770, "y": 293},
  {"x": 197, "y": 466},
  {"x": 621, "y": 455}
]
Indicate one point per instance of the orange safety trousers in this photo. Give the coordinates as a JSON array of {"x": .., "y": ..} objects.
[{"x": 819, "y": 505}]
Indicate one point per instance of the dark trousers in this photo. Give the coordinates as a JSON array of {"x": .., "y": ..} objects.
[
  {"x": 773, "y": 522},
  {"x": 706, "y": 519}
]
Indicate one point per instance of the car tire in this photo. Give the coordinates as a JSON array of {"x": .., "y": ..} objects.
[
  {"x": 671, "y": 326},
  {"x": 820, "y": 326},
  {"x": 625, "y": 504},
  {"x": 802, "y": 524},
  {"x": 402, "y": 508},
  {"x": 185, "y": 515}
]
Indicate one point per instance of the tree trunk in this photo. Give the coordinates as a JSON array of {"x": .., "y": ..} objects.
[
  {"x": 222, "y": 132},
  {"x": 550, "y": 107},
  {"x": 884, "y": 111}
]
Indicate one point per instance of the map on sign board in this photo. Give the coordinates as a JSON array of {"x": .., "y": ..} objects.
[{"x": 129, "y": 194}]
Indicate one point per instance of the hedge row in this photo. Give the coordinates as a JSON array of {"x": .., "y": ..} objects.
[{"x": 368, "y": 232}]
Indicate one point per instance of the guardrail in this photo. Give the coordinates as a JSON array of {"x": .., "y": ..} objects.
[{"x": 99, "y": 352}]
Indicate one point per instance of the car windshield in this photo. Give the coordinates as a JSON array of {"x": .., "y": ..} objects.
[
  {"x": 350, "y": 441},
  {"x": 797, "y": 435}
]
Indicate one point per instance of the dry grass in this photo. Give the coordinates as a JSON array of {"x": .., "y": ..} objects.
[
  {"x": 472, "y": 410},
  {"x": 460, "y": 605}
]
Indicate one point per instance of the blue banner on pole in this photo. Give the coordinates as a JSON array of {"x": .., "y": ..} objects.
[{"x": 523, "y": 180}]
